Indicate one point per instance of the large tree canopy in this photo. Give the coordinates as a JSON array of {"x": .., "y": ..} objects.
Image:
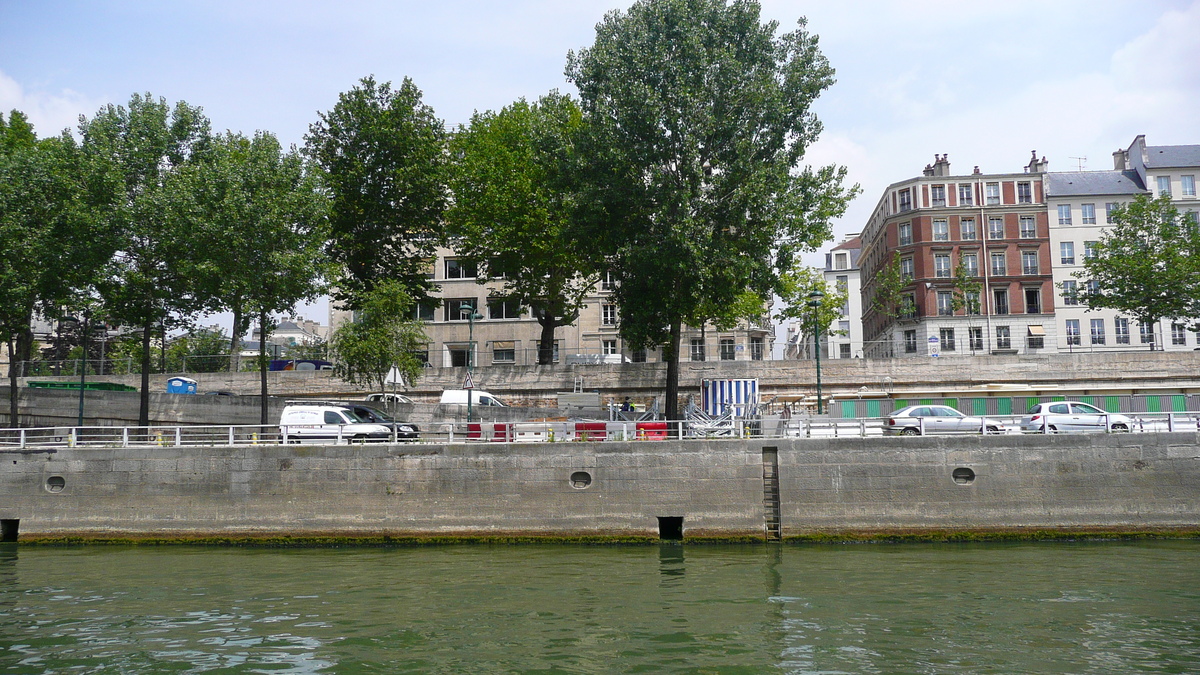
[
  {"x": 512, "y": 211},
  {"x": 698, "y": 121},
  {"x": 381, "y": 156},
  {"x": 1147, "y": 265},
  {"x": 380, "y": 337}
]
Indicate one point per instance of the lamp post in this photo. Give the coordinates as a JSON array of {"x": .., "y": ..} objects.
[
  {"x": 87, "y": 315},
  {"x": 814, "y": 302},
  {"x": 468, "y": 312}
]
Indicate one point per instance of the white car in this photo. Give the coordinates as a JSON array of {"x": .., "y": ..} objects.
[
  {"x": 321, "y": 422},
  {"x": 1072, "y": 416},
  {"x": 937, "y": 419}
]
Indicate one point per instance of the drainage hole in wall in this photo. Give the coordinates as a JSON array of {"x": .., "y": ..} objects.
[
  {"x": 9, "y": 528},
  {"x": 963, "y": 476},
  {"x": 670, "y": 528},
  {"x": 581, "y": 479},
  {"x": 56, "y": 483}
]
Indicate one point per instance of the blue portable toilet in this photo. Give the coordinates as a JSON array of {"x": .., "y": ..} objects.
[{"x": 181, "y": 385}]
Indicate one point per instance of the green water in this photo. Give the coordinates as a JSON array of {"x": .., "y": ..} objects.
[{"x": 975, "y": 608}]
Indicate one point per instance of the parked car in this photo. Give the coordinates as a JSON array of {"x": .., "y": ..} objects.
[
  {"x": 937, "y": 419},
  {"x": 478, "y": 397},
  {"x": 1073, "y": 416},
  {"x": 405, "y": 431},
  {"x": 325, "y": 422},
  {"x": 388, "y": 397}
]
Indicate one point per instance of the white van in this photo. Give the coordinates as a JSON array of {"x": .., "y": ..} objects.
[
  {"x": 320, "y": 422},
  {"x": 478, "y": 398}
]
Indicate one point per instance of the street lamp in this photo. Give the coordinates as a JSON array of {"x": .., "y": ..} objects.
[
  {"x": 468, "y": 312},
  {"x": 814, "y": 302}
]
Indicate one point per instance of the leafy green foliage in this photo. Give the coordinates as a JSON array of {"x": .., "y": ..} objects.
[
  {"x": 512, "y": 212},
  {"x": 698, "y": 119},
  {"x": 381, "y": 156},
  {"x": 797, "y": 284},
  {"x": 365, "y": 350},
  {"x": 890, "y": 301},
  {"x": 1147, "y": 265},
  {"x": 201, "y": 351}
]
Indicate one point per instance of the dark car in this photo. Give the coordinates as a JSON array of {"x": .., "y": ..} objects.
[{"x": 405, "y": 431}]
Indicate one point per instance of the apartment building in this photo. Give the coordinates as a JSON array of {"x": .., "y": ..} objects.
[
  {"x": 507, "y": 333},
  {"x": 845, "y": 339},
  {"x": 995, "y": 226}
]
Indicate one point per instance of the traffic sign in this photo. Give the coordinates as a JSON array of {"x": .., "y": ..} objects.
[{"x": 468, "y": 383}]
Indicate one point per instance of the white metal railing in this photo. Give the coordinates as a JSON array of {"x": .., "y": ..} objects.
[{"x": 520, "y": 432}]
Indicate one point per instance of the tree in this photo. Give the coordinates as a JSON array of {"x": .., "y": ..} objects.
[
  {"x": 130, "y": 153},
  {"x": 890, "y": 301},
  {"x": 381, "y": 157},
  {"x": 264, "y": 208},
  {"x": 965, "y": 296},
  {"x": 365, "y": 350},
  {"x": 1147, "y": 265},
  {"x": 697, "y": 121},
  {"x": 50, "y": 248},
  {"x": 200, "y": 351},
  {"x": 797, "y": 284},
  {"x": 512, "y": 210}
]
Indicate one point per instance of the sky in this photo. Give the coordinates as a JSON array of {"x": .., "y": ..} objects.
[{"x": 985, "y": 82}]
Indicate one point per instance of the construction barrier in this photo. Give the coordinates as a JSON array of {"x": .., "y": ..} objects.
[{"x": 652, "y": 431}]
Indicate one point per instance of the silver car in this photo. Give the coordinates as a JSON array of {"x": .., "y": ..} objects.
[
  {"x": 1072, "y": 416},
  {"x": 937, "y": 419}
]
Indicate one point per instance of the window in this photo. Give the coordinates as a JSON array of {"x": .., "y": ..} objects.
[
  {"x": 1089, "y": 214},
  {"x": 966, "y": 195},
  {"x": 905, "y": 234},
  {"x": 970, "y": 262},
  {"x": 843, "y": 351},
  {"x": 841, "y": 261},
  {"x": 999, "y": 268},
  {"x": 1024, "y": 193},
  {"x": 638, "y": 356},
  {"x": 1121, "y": 328},
  {"x": 1066, "y": 252},
  {"x": 1029, "y": 262},
  {"x": 1147, "y": 333},
  {"x": 966, "y": 229},
  {"x": 1064, "y": 214},
  {"x": 906, "y": 268},
  {"x": 756, "y": 348},
  {"x": 423, "y": 311},
  {"x": 993, "y": 193},
  {"x": 905, "y": 200},
  {"x": 1000, "y": 298},
  {"x": 459, "y": 269},
  {"x": 1070, "y": 292},
  {"x": 941, "y": 265},
  {"x": 908, "y": 306},
  {"x": 941, "y": 229},
  {"x": 1164, "y": 185},
  {"x": 1097, "y": 331},
  {"x": 504, "y": 352},
  {"x": 946, "y": 337},
  {"x": 697, "y": 353},
  {"x": 1092, "y": 286},
  {"x": 1028, "y": 227},
  {"x": 842, "y": 283},
  {"x": 1188, "y": 185},
  {"x": 1108, "y": 211},
  {"x": 1089, "y": 249},
  {"x": 1033, "y": 301},
  {"x": 1036, "y": 338},
  {"x": 939, "y": 195},
  {"x": 608, "y": 347},
  {"x": 971, "y": 302},
  {"x": 1003, "y": 338},
  {"x": 1073, "y": 332},
  {"x": 975, "y": 337},
  {"x": 609, "y": 282},
  {"x": 945, "y": 303},
  {"x": 503, "y": 308},
  {"x": 455, "y": 308},
  {"x": 608, "y": 315},
  {"x": 995, "y": 227},
  {"x": 910, "y": 341},
  {"x": 844, "y": 327},
  {"x": 726, "y": 349},
  {"x": 1192, "y": 219},
  {"x": 1178, "y": 334}
]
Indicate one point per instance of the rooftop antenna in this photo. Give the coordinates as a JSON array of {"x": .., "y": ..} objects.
[{"x": 1081, "y": 161}]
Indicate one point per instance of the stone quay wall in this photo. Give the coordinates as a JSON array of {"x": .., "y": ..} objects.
[{"x": 1123, "y": 482}]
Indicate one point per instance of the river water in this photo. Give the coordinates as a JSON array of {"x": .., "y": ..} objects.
[{"x": 1102, "y": 607}]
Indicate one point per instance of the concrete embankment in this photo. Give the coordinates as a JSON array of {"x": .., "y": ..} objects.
[{"x": 726, "y": 489}]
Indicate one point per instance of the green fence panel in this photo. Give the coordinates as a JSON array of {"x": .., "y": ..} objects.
[
  {"x": 1112, "y": 403},
  {"x": 874, "y": 409},
  {"x": 979, "y": 406},
  {"x": 1154, "y": 404},
  {"x": 848, "y": 410},
  {"x": 926, "y": 401},
  {"x": 1090, "y": 400},
  {"x": 1005, "y": 406},
  {"x": 952, "y": 402},
  {"x": 1178, "y": 403}
]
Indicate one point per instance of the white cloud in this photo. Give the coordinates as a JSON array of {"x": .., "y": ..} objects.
[{"x": 49, "y": 112}]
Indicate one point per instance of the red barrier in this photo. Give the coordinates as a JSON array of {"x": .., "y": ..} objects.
[
  {"x": 501, "y": 432},
  {"x": 474, "y": 431},
  {"x": 652, "y": 431},
  {"x": 591, "y": 431}
]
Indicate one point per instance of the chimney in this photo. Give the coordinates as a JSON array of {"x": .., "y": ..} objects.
[
  {"x": 1036, "y": 165},
  {"x": 976, "y": 172},
  {"x": 928, "y": 170},
  {"x": 1121, "y": 160},
  {"x": 941, "y": 165}
]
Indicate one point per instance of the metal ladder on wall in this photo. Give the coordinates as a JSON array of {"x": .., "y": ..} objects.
[{"x": 771, "y": 505}]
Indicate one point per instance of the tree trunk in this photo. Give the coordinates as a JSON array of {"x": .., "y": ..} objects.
[
  {"x": 671, "y": 351},
  {"x": 235, "y": 351},
  {"x": 13, "y": 418},
  {"x": 262, "y": 364},
  {"x": 546, "y": 342},
  {"x": 144, "y": 398}
]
